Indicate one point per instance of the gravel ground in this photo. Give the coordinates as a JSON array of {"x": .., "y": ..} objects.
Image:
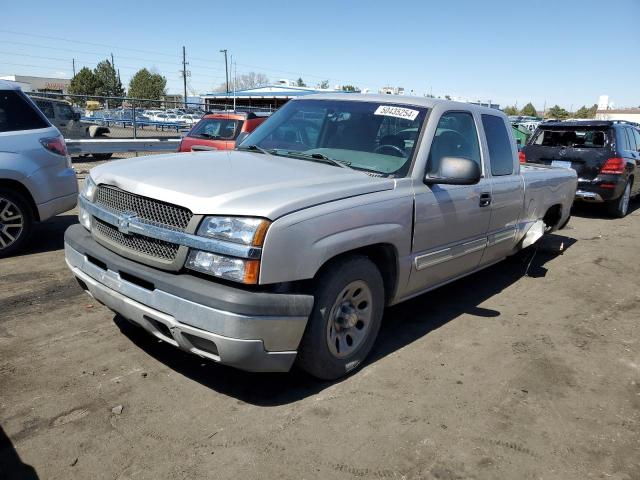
[{"x": 501, "y": 375}]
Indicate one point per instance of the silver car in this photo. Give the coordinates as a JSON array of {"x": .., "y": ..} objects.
[{"x": 36, "y": 178}]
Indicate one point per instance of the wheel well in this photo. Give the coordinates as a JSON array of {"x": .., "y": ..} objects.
[
  {"x": 553, "y": 216},
  {"x": 385, "y": 258},
  {"x": 24, "y": 191}
]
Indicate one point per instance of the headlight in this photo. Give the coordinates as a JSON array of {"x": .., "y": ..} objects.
[
  {"x": 89, "y": 189},
  {"x": 245, "y": 230},
  {"x": 85, "y": 218},
  {"x": 236, "y": 269}
]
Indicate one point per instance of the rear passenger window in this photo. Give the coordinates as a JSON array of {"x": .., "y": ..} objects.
[
  {"x": 456, "y": 136},
  {"x": 16, "y": 113},
  {"x": 500, "y": 153},
  {"x": 636, "y": 135},
  {"x": 632, "y": 140},
  {"x": 46, "y": 108},
  {"x": 623, "y": 140}
]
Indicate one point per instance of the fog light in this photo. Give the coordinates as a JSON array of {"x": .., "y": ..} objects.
[
  {"x": 236, "y": 269},
  {"x": 85, "y": 218}
]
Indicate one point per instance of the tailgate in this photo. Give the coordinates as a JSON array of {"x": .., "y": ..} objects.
[{"x": 585, "y": 149}]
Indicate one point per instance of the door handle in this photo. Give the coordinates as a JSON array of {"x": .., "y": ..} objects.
[{"x": 485, "y": 199}]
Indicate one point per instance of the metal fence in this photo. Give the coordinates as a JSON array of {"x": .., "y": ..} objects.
[{"x": 90, "y": 116}]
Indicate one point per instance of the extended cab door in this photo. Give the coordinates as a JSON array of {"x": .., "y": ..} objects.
[
  {"x": 507, "y": 188},
  {"x": 451, "y": 221},
  {"x": 66, "y": 122}
]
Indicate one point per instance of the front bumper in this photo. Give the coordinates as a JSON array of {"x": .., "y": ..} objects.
[{"x": 253, "y": 331}]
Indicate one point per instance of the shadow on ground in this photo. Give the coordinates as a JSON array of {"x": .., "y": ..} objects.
[
  {"x": 11, "y": 467},
  {"x": 48, "y": 236},
  {"x": 599, "y": 210},
  {"x": 417, "y": 318}
]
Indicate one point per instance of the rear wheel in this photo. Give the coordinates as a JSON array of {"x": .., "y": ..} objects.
[
  {"x": 619, "y": 207},
  {"x": 346, "y": 317},
  {"x": 16, "y": 221}
]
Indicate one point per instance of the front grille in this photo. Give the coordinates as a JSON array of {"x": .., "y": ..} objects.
[
  {"x": 147, "y": 210},
  {"x": 137, "y": 243}
]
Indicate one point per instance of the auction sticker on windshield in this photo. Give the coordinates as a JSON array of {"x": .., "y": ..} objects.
[{"x": 398, "y": 112}]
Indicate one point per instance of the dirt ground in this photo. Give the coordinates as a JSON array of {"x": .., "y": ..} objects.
[{"x": 497, "y": 376}]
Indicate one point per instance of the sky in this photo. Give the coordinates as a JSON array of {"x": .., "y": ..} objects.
[{"x": 565, "y": 52}]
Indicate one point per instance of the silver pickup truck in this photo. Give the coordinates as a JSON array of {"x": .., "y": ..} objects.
[{"x": 290, "y": 247}]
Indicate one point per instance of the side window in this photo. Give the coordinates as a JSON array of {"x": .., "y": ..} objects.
[
  {"x": 632, "y": 139},
  {"x": 64, "y": 112},
  {"x": 46, "y": 108},
  {"x": 456, "y": 136},
  {"x": 622, "y": 139},
  {"x": 16, "y": 113},
  {"x": 500, "y": 154},
  {"x": 636, "y": 134}
]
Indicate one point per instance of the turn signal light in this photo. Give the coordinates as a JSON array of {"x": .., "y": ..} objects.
[{"x": 613, "y": 166}]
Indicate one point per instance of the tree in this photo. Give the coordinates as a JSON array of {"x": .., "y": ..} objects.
[
  {"x": 83, "y": 83},
  {"x": 447, "y": 97},
  {"x": 108, "y": 83},
  {"x": 557, "y": 112},
  {"x": 529, "y": 110},
  {"x": 145, "y": 84},
  {"x": 510, "y": 110},
  {"x": 300, "y": 82},
  {"x": 244, "y": 81},
  {"x": 350, "y": 88},
  {"x": 324, "y": 84}
]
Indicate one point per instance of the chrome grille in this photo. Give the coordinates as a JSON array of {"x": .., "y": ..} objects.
[
  {"x": 147, "y": 210},
  {"x": 137, "y": 243}
]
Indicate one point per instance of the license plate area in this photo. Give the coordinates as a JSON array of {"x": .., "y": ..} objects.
[{"x": 561, "y": 163}]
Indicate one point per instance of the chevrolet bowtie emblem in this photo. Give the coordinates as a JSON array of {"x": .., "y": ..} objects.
[{"x": 124, "y": 222}]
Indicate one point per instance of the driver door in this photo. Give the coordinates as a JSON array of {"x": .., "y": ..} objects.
[{"x": 451, "y": 221}]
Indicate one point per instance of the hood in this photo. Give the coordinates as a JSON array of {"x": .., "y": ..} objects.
[{"x": 237, "y": 183}]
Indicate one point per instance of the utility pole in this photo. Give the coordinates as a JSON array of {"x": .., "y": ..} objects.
[
  {"x": 73, "y": 61},
  {"x": 226, "y": 71},
  {"x": 184, "y": 75}
]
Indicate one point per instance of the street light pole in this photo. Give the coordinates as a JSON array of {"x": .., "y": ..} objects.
[{"x": 226, "y": 67}]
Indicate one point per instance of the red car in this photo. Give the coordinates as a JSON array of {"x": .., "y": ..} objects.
[{"x": 219, "y": 131}]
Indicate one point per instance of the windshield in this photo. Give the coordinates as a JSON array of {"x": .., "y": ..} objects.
[
  {"x": 372, "y": 136},
  {"x": 581, "y": 137},
  {"x": 216, "y": 129}
]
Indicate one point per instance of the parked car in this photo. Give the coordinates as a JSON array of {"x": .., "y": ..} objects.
[
  {"x": 221, "y": 130},
  {"x": 605, "y": 154},
  {"x": 61, "y": 114},
  {"x": 36, "y": 178},
  {"x": 290, "y": 247}
]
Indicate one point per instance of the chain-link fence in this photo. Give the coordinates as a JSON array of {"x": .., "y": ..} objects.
[{"x": 87, "y": 116}]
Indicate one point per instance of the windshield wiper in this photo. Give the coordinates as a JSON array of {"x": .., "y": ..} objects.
[
  {"x": 255, "y": 148},
  {"x": 319, "y": 157}
]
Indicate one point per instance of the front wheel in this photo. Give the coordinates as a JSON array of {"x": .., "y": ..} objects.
[
  {"x": 101, "y": 156},
  {"x": 345, "y": 320},
  {"x": 618, "y": 208},
  {"x": 16, "y": 221}
]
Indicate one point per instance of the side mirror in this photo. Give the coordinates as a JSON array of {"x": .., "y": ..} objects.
[
  {"x": 241, "y": 137},
  {"x": 76, "y": 116},
  {"x": 455, "y": 171}
]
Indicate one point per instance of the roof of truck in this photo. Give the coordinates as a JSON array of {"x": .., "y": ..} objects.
[{"x": 396, "y": 99}]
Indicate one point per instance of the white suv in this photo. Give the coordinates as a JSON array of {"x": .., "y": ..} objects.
[{"x": 36, "y": 178}]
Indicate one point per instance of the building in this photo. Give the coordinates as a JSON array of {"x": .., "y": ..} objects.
[
  {"x": 628, "y": 114},
  {"x": 391, "y": 90},
  {"x": 172, "y": 101},
  {"x": 268, "y": 97},
  {"x": 40, "y": 84}
]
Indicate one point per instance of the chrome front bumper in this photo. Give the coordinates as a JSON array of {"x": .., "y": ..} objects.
[{"x": 249, "y": 342}]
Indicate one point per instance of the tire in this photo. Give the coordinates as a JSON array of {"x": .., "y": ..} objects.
[
  {"x": 16, "y": 222},
  {"x": 101, "y": 156},
  {"x": 348, "y": 305},
  {"x": 619, "y": 207}
]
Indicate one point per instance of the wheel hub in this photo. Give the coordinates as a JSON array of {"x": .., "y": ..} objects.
[{"x": 347, "y": 316}]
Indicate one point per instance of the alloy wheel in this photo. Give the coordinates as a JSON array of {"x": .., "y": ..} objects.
[
  {"x": 349, "y": 319},
  {"x": 11, "y": 223}
]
